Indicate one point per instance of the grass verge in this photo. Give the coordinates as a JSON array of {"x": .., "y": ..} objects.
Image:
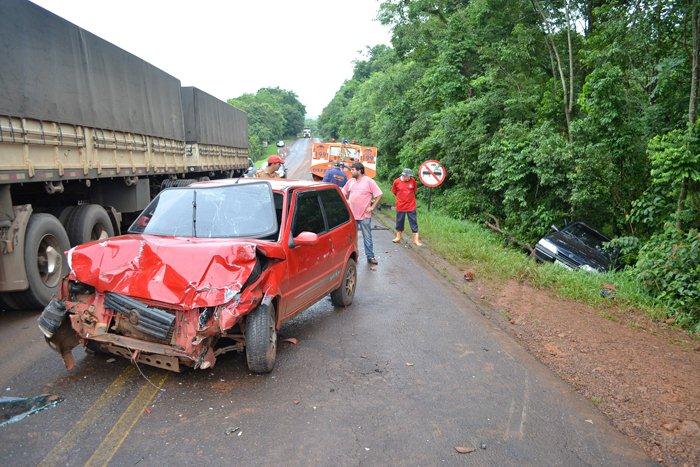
[{"x": 467, "y": 243}]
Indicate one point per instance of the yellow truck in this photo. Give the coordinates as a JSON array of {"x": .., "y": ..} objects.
[{"x": 89, "y": 133}]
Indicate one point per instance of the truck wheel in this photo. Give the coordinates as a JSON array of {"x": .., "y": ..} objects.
[
  {"x": 88, "y": 222},
  {"x": 45, "y": 243},
  {"x": 261, "y": 339},
  {"x": 343, "y": 295},
  {"x": 64, "y": 213}
]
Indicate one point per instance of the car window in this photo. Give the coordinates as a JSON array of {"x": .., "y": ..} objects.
[
  {"x": 245, "y": 210},
  {"x": 308, "y": 216},
  {"x": 333, "y": 205},
  {"x": 586, "y": 235},
  {"x": 279, "y": 203}
]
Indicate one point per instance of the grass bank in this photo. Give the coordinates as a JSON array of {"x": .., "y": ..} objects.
[{"x": 465, "y": 243}]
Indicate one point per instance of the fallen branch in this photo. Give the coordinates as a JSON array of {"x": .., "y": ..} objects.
[{"x": 495, "y": 225}]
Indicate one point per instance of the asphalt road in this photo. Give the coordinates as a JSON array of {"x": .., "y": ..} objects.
[
  {"x": 297, "y": 161},
  {"x": 405, "y": 374}
]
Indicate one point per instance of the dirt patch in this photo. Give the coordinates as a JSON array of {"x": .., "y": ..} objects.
[{"x": 644, "y": 375}]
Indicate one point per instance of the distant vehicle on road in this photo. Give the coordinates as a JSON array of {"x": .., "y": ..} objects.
[
  {"x": 325, "y": 155},
  {"x": 220, "y": 266},
  {"x": 576, "y": 246},
  {"x": 307, "y": 133}
]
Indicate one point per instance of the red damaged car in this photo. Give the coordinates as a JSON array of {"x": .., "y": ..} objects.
[{"x": 206, "y": 269}]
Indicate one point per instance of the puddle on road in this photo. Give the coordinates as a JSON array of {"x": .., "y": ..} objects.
[{"x": 14, "y": 409}]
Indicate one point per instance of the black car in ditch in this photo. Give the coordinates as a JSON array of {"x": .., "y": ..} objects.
[{"x": 576, "y": 246}]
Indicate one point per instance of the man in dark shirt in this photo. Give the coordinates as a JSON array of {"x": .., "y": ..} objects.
[
  {"x": 336, "y": 175},
  {"x": 405, "y": 188}
]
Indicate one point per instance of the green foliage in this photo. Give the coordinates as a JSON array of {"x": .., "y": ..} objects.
[
  {"x": 669, "y": 266},
  {"x": 541, "y": 111},
  {"x": 625, "y": 249},
  {"x": 610, "y": 165},
  {"x": 273, "y": 114},
  {"x": 527, "y": 171}
]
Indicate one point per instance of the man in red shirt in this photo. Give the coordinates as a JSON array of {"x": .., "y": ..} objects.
[{"x": 405, "y": 188}]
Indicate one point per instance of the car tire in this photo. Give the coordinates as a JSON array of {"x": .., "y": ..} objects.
[
  {"x": 45, "y": 241},
  {"x": 343, "y": 295},
  {"x": 261, "y": 339},
  {"x": 88, "y": 222}
]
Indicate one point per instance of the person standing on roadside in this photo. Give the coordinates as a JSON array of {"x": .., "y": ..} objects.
[
  {"x": 273, "y": 164},
  {"x": 363, "y": 196},
  {"x": 405, "y": 188},
  {"x": 336, "y": 175}
]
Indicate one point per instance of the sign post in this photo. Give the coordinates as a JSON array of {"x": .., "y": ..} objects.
[{"x": 431, "y": 174}]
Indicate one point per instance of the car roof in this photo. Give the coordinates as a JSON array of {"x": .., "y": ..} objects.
[{"x": 278, "y": 184}]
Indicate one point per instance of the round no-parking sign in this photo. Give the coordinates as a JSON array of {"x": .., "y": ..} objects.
[{"x": 432, "y": 173}]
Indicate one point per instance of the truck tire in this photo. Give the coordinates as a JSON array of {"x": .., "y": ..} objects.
[
  {"x": 343, "y": 295},
  {"x": 261, "y": 339},
  {"x": 45, "y": 243},
  {"x": 178, "y": 183},
  {"x": 64, "y": 213},
  {"x": 88, "y": 222}
]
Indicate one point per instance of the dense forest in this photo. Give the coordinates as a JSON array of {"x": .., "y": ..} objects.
[
  {"x": 273, "y": 114},
  {"x": 547, "y": 110}
]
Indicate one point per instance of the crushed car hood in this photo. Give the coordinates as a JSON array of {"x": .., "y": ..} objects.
[{"x": 187, "y": 272}]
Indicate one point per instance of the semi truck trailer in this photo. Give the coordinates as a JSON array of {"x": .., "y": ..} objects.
[{"x": 89, "y": 133}]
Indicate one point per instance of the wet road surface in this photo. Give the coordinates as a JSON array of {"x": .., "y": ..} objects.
[
  {"x": 297, "y": 161},
  {"x": 405, "y": 374}
]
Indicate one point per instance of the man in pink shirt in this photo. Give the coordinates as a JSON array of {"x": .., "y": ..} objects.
[{"x": 363, "y": 196}]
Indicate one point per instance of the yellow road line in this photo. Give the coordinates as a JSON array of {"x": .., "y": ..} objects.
[
  {"x": 116, "y": 436},
  {"x": 61, "y": 451}
]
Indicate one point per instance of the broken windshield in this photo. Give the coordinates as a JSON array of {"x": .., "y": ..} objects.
[{"x": 245, "y": 210}]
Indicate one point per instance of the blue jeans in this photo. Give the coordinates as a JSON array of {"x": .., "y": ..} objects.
[{"x": 365, "y": 226}]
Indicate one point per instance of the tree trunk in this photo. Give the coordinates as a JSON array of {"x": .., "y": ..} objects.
[
  {"x": 692, "y": 105},
  {"x": 554, "y": 54},
  {"x": 695, "y": 71},
  {"x": 571, "y": 61}
]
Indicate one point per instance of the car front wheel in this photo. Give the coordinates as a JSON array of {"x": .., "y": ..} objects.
[
  {"x": 343, "y": 295},
  {"x": 261, "y": 339}
]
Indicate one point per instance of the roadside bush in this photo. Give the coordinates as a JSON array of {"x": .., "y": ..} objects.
[
  {"x": 669, "y": 267},
  {"x": 625, "y": 249}
]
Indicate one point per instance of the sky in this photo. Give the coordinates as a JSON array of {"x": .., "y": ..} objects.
[{"x": 228, "y": 48}]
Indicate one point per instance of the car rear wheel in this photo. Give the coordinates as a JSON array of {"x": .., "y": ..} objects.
[
  {"x": 261, "y": 339},
  {"x": 343, "y": 295}
]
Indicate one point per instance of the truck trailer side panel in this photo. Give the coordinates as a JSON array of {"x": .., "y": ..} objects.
[
  {"x": 211, "y": 121},
  {"x": 53, "y": 70}
]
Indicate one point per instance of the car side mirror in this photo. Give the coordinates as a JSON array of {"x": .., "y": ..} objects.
[
  {"x": 554, "y": 228},
  {"x": 306, "y": 238}
]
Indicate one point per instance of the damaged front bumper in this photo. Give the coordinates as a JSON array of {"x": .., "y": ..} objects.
[{"x": 143, "y": 331}]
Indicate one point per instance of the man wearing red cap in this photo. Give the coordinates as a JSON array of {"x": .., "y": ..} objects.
[{"x": 273, "y": 164}]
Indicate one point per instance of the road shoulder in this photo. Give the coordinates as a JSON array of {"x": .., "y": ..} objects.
[{"x": 641, "y": 374}]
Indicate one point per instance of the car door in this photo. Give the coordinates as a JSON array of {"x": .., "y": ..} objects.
[
  {"x": 308, "y": 266},
  {"x": 341, "y": 229}
]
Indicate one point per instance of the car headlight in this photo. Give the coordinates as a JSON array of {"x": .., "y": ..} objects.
[
  {"x": 587, "y": 268},
  {"x": 549, "y": 246},
  {"x": 69, "y": 259}
]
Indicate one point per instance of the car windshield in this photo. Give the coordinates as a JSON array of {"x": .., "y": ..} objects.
[
  {"x": 587, "y": 235},
  {"x": 245, "y": 210}
]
